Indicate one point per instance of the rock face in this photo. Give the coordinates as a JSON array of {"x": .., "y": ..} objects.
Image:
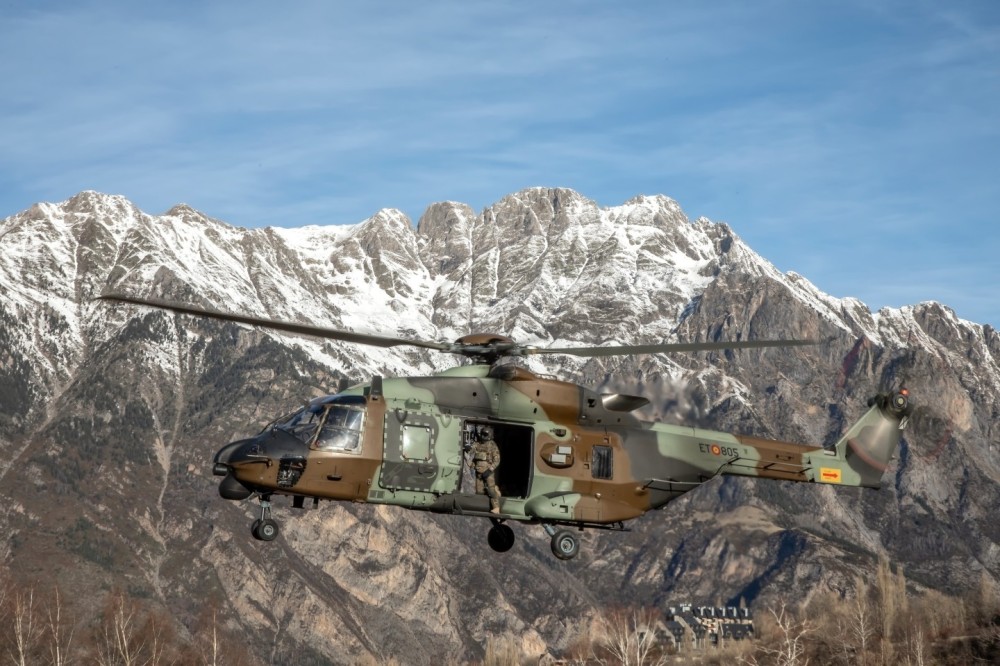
[{"x": 109, "y": 417}]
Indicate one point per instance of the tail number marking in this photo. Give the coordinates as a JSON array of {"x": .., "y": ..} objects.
[{"x": 716, "y": 450}]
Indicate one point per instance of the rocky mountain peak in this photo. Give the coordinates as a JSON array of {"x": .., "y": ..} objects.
[
  {"x": 445, "y": 218},
  {"x": 388, "y": 226},
  {"x": 192, "y": 216},
  {"x": 657, "y": 209},
  {"x": 386, "y": 245},
  {"x": 113, "y": 211},
  {"x": 444, "y": 232},
  {"x": 90, "y": 201},
  {"x": 539, "y": 211}
]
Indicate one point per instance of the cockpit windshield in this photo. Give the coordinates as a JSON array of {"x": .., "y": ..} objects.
[
  {"x": 341, "y": 430},
  {"x": 331, "y": 423}
]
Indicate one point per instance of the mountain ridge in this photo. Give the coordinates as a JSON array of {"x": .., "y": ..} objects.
[{"x": 114, "y": 412}]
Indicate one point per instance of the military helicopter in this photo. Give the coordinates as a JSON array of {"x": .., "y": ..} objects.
[{"x": 570, "y": 458}]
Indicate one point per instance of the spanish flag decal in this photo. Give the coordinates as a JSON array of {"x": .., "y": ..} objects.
[{"x": 829, "y": 475}]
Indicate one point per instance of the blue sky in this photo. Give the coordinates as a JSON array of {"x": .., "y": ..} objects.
[{"x": 854, "y": 142}]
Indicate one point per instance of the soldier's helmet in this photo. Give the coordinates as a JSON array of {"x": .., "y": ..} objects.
[{"x": 485, "y": 433}]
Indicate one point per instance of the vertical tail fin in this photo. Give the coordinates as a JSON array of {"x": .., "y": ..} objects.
[{"x": 869, "y": 445}]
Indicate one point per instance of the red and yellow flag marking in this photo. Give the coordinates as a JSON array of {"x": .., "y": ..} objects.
[{"x": 830, "y": 475}]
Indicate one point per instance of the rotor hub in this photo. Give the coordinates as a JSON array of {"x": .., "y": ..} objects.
[{"x": 486, "y": 347}]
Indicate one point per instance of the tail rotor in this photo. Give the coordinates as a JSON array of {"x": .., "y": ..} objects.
[{"x": 928, "y": 428}]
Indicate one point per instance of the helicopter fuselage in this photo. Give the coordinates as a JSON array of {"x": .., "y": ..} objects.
[{"x": 569, "y": 456}]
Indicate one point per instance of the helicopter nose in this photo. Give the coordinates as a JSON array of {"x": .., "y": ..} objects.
[
  {"x": 232, "y": 453},
  {"x": 232, "y": 488},
  {"x": 264, "y": 448}
]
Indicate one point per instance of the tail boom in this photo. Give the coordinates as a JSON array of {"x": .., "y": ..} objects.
[{"x": 859, "y": 458}]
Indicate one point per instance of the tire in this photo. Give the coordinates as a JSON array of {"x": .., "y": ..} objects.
[
  {"x": 267, "y": 530},
  {"x": 253, "y": 529},
  {"x": 501, "y": 538},
  {"x": 565, "y": 545}
]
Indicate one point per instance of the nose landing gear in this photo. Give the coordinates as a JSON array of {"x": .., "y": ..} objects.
[{"x": 265, "y": 528}]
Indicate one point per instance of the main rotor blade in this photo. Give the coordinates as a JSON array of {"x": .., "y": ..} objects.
[
  {"x": 666, "y": 348},
  {"x": 289, "y": 327}
]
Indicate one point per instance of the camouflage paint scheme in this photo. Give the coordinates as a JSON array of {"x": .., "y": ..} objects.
[
  {"x": 576, "y": 457},
  {"x": 569, "y": 456}
]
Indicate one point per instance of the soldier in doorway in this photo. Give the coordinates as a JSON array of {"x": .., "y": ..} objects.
[{"x": 484, "y": 460}]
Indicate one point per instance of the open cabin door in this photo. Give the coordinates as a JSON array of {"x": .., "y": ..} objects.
[{"x": 516, "y": 445}]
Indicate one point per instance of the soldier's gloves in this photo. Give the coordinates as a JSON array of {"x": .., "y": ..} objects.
[{"x": 487, "y": 474}]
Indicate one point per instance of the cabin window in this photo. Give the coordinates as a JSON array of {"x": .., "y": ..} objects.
[
  {"x": 416, "y": 442},
  {"x": 341, "y": 430},
  {"x": 602, "y": 465}
]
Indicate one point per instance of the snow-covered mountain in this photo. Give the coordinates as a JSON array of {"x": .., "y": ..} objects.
[{"x": 109, "y": 415}]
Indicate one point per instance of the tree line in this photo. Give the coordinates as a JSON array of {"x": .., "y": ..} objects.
[
  {"x": 878, "y": 622},
  {"x": 40, "y": 627}
]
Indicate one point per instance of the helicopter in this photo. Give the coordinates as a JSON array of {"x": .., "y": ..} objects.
[{"x": 571, "y": 458}]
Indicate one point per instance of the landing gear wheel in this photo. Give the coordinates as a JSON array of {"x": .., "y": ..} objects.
[
  {"x": 500, "y": 538},
  {"x": 265, "y": 530},
  {"x": 565, "y": 545}
]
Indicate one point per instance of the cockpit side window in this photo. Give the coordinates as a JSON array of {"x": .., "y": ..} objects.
[
  {"x": 302, "y": 424},
  {"x": 341, "y": 430}
]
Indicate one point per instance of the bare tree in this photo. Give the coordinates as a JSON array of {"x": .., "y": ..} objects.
[
  {"x": 786, "y": 646},
  {"x": 207, "y": 641},
  {"x": 159, "y": 638},
  {"x": 59, "y": 630},
  {"x": 891, "y": 589},
  {"x": 916, "y": 644},
  {"x": 213, "y": 645},
  {"x": 119, "y": 639},
  {"x": 581, "y": 649},
  {"x": 629, "y": 636},
  {"x": 859, "y": 623},
  {"x": 25, "y": 625},
  {"x": 502, "y": 651}
]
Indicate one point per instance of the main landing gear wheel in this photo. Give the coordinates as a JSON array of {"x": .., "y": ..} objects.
[
  {"x": 500, "y": 537},
  {"x": 565, "y": 545}
]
